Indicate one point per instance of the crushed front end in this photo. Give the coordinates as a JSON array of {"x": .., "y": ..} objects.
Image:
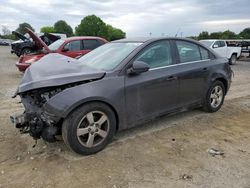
[{"x": 35, "y": 120}]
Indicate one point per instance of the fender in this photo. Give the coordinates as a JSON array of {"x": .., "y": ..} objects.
[{"x": 62, "y": 104}]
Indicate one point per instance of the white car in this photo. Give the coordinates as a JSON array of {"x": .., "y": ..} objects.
[{"x": 221, "y": 47}]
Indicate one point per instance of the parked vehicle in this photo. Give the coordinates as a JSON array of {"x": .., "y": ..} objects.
[
  {"x": 25, "y": 45},
  {"x": 4, "y": 42},
  {"x": 72, "y": 47},
  {"x": 117, "y": 86},
  {"x": 224, "y": 50}
]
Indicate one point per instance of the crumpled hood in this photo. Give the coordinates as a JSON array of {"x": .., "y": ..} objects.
[{"x": 55, "y": 70}]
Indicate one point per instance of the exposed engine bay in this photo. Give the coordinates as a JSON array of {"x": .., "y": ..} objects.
[
  {"x": 35, "y": 120},
  {"x": 39, "y": 84}
]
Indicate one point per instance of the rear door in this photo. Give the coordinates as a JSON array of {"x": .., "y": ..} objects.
[{"x": 194, "y": 65}]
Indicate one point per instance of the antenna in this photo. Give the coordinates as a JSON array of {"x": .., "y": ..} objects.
[{"x": 177, "y": 32}]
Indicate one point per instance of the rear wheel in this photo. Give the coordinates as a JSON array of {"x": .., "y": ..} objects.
[
  {"x": 215, "y": 97},
  {"x": 233, "y": 59},
  {"x": 89, "y": 128}
]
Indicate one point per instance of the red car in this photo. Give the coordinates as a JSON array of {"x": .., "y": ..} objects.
[{"x": 72, "y": 47}]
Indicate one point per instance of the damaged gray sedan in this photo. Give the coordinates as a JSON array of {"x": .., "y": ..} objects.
[{"x": 117, "y": 86}]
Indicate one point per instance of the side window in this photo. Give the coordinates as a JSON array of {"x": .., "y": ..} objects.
[
  {"x": 219, "y": 44},
  {"x": 90, "y": 44},
  {"x": 216, "y": 44},
  {"x": 222, "y": 44},
  {"x": 204, "y": 53},
  {"x": 157, "y": 55},
  {"x": 74, "y": 45},
  {"x": 188, "y": 51}
]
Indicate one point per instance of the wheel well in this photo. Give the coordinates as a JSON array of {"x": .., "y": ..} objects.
[
  {"x": 109, "y": 105},
  {"x": 25, "y": 48},
  {"x": 224, "y": 81}
]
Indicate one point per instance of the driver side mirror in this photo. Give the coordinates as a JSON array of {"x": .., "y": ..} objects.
[
  {"x": 215, "y": 46},
  {"x": 65, "y": 49},
  {"x": 138, "y": 67}
]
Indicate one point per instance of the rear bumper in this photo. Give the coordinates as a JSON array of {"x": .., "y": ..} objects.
[{"x": 22, "y": 66}]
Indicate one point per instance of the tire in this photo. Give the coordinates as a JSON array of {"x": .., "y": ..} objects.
[
  {"x": 26, "y": 51},
  {"x": 81, "y": 132},
  {"x": 214, "y": 97},
  {"x": 233, "y": 59}
]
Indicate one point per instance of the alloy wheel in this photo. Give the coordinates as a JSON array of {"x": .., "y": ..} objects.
[
  {"x": 216, "y": 96},
  {"x": 93, "y": 128}
]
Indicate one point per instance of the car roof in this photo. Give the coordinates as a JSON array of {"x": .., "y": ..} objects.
[
  {"x": 147, "y": 39},
  {"x": 82, "y": 38}
]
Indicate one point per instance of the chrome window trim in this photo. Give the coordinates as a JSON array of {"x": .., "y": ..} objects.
[{"x": 190, "y": 62}]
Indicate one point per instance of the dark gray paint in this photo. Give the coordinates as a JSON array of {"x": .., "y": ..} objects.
[{"x": 134, "y": 98}]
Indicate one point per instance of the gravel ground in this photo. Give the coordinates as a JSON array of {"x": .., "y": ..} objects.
[{"x": 168, "y": 152}]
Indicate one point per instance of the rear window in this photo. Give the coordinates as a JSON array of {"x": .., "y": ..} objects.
[
  {"x": 204, "y": 53},
  {"x": 90, "y": 44},
  {"x": 188, "y": 51}
]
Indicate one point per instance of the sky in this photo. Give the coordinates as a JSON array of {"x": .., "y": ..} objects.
[{"x": 135, "y": 17}]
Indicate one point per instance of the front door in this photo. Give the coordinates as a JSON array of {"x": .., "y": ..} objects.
[
  {"x": 72, "y": 48},
  {"x": 221, "y": 48},
  {"x": 154, "y": 92}
]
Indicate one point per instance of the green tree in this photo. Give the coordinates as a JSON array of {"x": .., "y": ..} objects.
[
  {"x": 22, "y": 26},
  {"x": 216, "y": 35},
  {"x": 92, "y": 26},
  {"x": 203, "y": 35},
  {"x": 62, "y": 27},
  {"x": 228, "y": 35},
  {"x": 114, "y": 33},
  {"x": 47, "y": 29},
  {"x": 245, "y": 33}
]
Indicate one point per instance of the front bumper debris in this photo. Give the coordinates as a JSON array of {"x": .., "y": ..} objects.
[{"x": 18, "y": 119}]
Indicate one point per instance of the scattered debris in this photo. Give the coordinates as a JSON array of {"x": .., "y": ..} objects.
[
  {"x": 32, "y": 158},
  {"x": 214, "y": 152},
  {"x": 241, "y": 150},
  {"x": 227, "y": 140},
  {"x": 18, "y": 158},
  {"x": 186, "y": 177}
]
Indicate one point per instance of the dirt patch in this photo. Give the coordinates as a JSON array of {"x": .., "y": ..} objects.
[{"x": 169, "y": 152}]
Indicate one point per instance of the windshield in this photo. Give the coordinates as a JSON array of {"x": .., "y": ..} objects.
[
  {"x": 55, "y": 45},
  {"x": 108, "y": 56},
  {"x": 207, "y": 43}
]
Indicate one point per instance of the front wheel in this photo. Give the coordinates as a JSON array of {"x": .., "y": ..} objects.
[
  {"x": 215, "y": 97},
  {"x": 89, "y": 128},
  {"x": 26, "y": 51}
]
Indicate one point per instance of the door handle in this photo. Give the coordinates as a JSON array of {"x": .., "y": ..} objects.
[{"x": 171, "y": 78}]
